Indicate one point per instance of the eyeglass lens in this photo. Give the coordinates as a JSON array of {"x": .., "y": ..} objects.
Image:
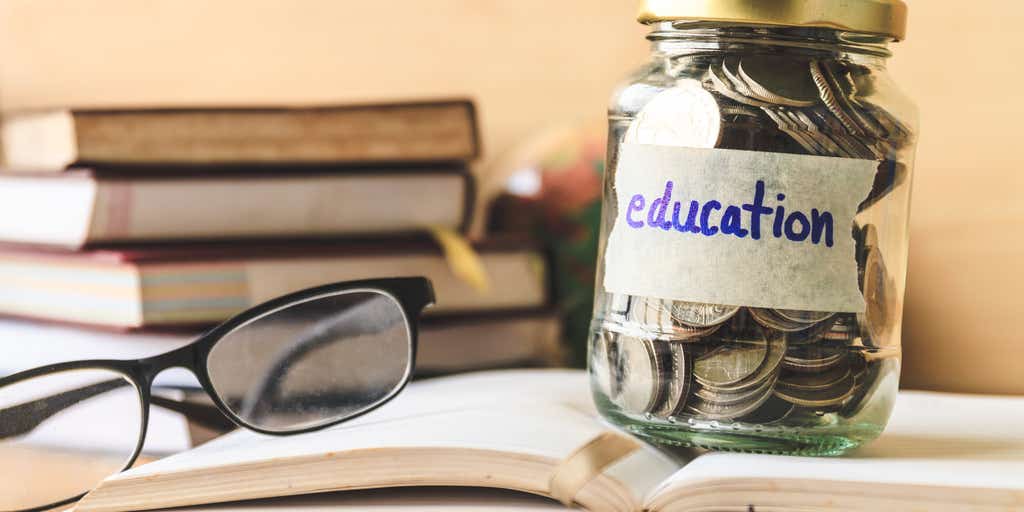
[
  {"x": 51, "y": 445},
  {"x": 313, "y": 362}
]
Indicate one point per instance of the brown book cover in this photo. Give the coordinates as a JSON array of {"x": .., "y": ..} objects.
[
  {"x": 428, "y": 131},
  {"x": 88, "y": 206},
  {"x": 143, "y": 285}
]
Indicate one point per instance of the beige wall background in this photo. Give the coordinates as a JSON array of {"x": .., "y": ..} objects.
[{"x": 534, "y": 63}]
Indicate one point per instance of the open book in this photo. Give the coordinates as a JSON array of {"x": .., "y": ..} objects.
[{"x": 536, "y": 431}]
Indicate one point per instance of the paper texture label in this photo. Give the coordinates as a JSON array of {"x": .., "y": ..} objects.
[{"x": 735, "y": 227}]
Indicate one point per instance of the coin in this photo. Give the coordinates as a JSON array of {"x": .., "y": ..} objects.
[
  {"x": 814, "y": 334},
  {"x": 866, "y": 384},
  {"x": 828, "y": 123},
  {"x": 685, "y": 115},
  {"x": 611, "y": 340},
  {"x": 656, "y": 315},
  {"x": 843, "y": 329},
  {"x": 890, "y": 175},
  {"x": 680, "y": 377},
  {"x": 818, "y": 398},
  {"x": 729, "y": 363},
  {"x": 735, "y": 397},
  {"x": 772, "y": 320},
  {"x": 697, "y": 314},
  {"x": 788, "y": 128},
  {"x": 813, "y": 358},
  {"x": 873, "y": 135},
  {"x": 866, "y": 238},
  {"x": 769, "y": 367},
  {"x": 639, "y": 375},
  {"x": 825, "y": 141},
  {"x": 724, "y": 85},
  {"x": 773, "y": 410},
  {"x": 831, "y": 99},
  {"x": 779, "y": 80},
  {"x": 600, "y": 369},
  {"x": 713, "y": 411},
  {"x": 804, "y": 317},
  {"x": 812, "y": 381},
  {"x": 738, "y": 110},
  {"x": 877, "y": 295}
]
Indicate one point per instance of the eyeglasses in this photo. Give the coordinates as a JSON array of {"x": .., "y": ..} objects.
[{"x": 298, "y": 363}]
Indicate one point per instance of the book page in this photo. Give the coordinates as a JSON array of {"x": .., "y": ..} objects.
[
  {"x": 544, "y": 412},
  {"x": 548, "y": 431},
  {"x": 419, "y": 499},
  {"x": 508, "y": 429},
  {"x": 933, "y": 440}
]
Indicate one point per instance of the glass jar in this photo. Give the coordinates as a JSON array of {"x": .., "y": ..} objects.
[{"x": 753, "y": 245}]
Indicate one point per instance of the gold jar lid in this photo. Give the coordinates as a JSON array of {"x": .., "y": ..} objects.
[{"x": 882, "y": 17}]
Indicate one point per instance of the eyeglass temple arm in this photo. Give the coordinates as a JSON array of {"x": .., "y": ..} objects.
[
  {"x": 203, "y": 415},
  {"x": 23, "y": 418},
  {"x": 355, "y": 321}
]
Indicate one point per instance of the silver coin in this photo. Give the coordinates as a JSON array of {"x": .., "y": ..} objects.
[
  {"x": 773, "y": 410},
  {"x": 830, "y": 98},
  {"x": 779, "y": 80},
  {"x": 685, "y": 115},
  {"x": 843, "y": 330},
  {"x": 713, "y": 411},
  {"x": 828, "y": 397},
  {"x": 655, "y": 316},
  {"x": 837, "y": 76},
  {"x": 769, "y": 367},
  {"x": 732, "y": 398},
  {"x": 829, "y": 124},
  {"x": 813, "y": 381},
  {"x": 600, "y": 365},
  {"x": 739, "y": 110},
  {"x": 845, "y": 82},
  {"x": 866, "y": 382},
  {"x": 804, "y": 317},
  {"x": 824, "y": 140},
  {"x": 878, "y": 295},
  {"x": 729, "y": 363},
  {"x": 770, "y": 319},
  {"x": 678, "y": 383},
  {"x": 813, "y": 358},
  {"x": 724, "y": 86},
  {"x": 639, "y": 375},
  {"x": 696, "y": 314},
  {"x": 808, "y": 133},
  {"x": 786, "y": 126},
  {"x": 731, "y": 69},
  {"x": 813, "y": 335},
  {"x": 866, "y": 238}
]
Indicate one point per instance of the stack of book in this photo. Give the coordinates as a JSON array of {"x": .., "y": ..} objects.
[{"x": 140, "y": 221}]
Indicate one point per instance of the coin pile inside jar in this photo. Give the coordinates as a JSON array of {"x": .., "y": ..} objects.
[
  {"x": 749, "y": 364},
  {"x": 759, "y": 365}
]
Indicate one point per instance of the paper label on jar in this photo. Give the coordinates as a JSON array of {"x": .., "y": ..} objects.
[{"x": 740, "y": 228}]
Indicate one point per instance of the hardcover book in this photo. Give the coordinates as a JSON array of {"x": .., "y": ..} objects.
[
  {"x": 82, "y": 207},
  {"x": 536, "y": 431},
  {"x": 447, "y": 344},
  {"x": 49, "y": 141},
  {"x": 199, "y": 284}
]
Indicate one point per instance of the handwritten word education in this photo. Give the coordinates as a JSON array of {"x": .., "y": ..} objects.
[{"x": 703, "y": 219}]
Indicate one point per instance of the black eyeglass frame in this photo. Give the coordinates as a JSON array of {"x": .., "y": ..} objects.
[{"x": 413, "y": 295}]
